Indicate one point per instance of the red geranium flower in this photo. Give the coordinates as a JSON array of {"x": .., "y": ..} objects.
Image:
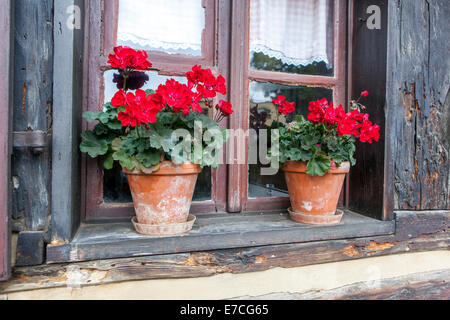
[
  {"x": 119, "y": 99},
  {"x": 369, "y": 132},
  {"x": 125, "y": 57},
  {"x": 317, "y": 110},
  {"x": 205, "y": 82},
  {"x": 333, "y": 115},
  {"x": 279, "y": 100},
  {"x": 225, "y": 107},
  {"x": 286, "y": 107}
]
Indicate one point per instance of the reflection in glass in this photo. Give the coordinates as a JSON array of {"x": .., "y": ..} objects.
[
  {"x": 151, "y": 81},
  {"x": 173, "y": 26},
  {"x": 115, "y": 184},
  {"x": 264, "y": 115},
  {"x": 292, "y": 36}
]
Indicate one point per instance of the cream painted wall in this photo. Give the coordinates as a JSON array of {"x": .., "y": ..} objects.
[{"x": 227, "y": 286}]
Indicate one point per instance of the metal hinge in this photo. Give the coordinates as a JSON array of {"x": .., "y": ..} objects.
[{"x": 37, "y": 141}]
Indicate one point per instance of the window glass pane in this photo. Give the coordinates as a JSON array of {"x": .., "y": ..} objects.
[
  {"x": 264, "y": 115},
  {"x": 115, "y": 184},
  {"x": 151, "y": 80},
  {"x": 292, "y": 36},
  {"x": 173, "y": 26}
]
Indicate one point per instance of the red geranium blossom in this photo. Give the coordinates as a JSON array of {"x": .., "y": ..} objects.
[
  {"x": 279, "y": 100},
  {"x": 369, "y": 132},
  {"x": 317, "y": 110},
  {"x": 284, "y": 107},
  {"x": 225, "y": 107},
  {"x": 119, "y": 99},
  {"x": 333, "y": 115},
  {"x": 205, "y": 82},
  {"x": 354, "y": 123},
  {"x": 126, "y": 57},
  {"x": 140, "y": 109},
  {"x": 176, "y": 95}
]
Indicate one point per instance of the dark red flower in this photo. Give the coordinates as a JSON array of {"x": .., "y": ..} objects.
[{"x": 365, "y": 93}]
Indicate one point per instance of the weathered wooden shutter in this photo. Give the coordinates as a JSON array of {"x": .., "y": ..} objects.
[{"x": 5, "y": 137}]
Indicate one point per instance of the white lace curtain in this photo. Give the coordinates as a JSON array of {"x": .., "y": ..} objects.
[
  {"x": 297, "y": 32},
  {"x": 173, "y": 26}
]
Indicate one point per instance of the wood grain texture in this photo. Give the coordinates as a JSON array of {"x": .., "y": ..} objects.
[
  {"x": 418, "y": 103},
  {"x": 432, "y": 285},
  {"x": 210, "y": 232},
  {"x": 5, "y": 136},
  {"x": 237, "y": 260},
  {"x": 33, "y": 95},
  {"x": 67, "y": 96},
  {"x": 369, "y": 53}
]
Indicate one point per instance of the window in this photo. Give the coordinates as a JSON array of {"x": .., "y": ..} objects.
[
  {"x": 177, "y": 35},
  {"x": 263, "y": 48},
  {"x": 295, "y": 48},
  {"x": 254, "y": 74}
]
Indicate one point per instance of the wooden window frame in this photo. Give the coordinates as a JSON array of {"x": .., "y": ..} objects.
[
  {"x": 103, "y": 35},
  {"x": 233, "y": 196},
  {"x": 239, "y": 200},
  {"x": 69, "y": 237}
]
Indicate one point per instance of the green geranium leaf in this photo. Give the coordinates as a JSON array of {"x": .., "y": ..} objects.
[
  {"x": 160, "y": 138},
  {"x": 91, "y": 116},
  {"x": 149, "y": 158},
  {"x": 109, "y": 162},
  {"x": 114, "y": 125},
  {"x": 100, "y": 129},
  {"x": 92, "y": 145},
  {"x": 318, "y": 165},
  {"x": 124, "y": 160}
]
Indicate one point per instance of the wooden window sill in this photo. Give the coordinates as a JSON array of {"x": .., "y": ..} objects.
[{"x": 210, "y": 232}]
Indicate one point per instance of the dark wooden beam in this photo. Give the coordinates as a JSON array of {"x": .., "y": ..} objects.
[
  {"x": 369, "y": 53},
  {"x": 418, "y": 104},
  {"x": 33, "y": 73},
  {"x": 6, "y": 63},
  {"x": 432, "y": 285},
  {"x": 67, "y": 99},
  {"x": 30, "y": 249}
]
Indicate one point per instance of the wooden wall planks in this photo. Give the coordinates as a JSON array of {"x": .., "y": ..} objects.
[
  {"x": 418, "y": 103},
  {"x": 5, "y": 137},
  {"x": 33, "y": 95}
]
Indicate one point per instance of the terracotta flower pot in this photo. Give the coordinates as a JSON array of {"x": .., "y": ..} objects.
[
  {"x": 314, "y": 199},
  {"x": 163, "y": 198}
]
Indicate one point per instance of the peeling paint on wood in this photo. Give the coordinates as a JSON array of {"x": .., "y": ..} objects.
[
  {"x": 418, "y": 103},
  {"x": 242, "y": 260},
  {"x": 33, "y": 65}
]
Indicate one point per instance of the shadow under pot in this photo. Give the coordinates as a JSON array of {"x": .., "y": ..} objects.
[
  {"x": 314, "y": 199},
  {"x": 162, "y": 199}
]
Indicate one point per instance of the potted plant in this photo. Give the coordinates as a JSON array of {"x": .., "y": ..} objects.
[
  {"x": 151, "y": 134},
  {"x": 317, "y": 153}
]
